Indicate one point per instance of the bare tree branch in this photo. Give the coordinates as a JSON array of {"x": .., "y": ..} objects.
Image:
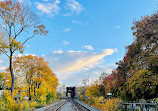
[
  {"x": 4, "y": 28},
  {"x": 28, "y": 39},
  {"x": 18, "y": 32},
  {"x": 4, "y": 52}
]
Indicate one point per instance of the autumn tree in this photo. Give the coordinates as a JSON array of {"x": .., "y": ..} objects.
[
  {"x": 136, "y": 75},
  {"x": 142, "y": 84},
  {"x": 16, "y": 19},
  {"x": 36, "y": 75},
  {"x": 92, "y": 90},
  {"x": 102, "y": 76},
  {"x": 3, "y": 81}
]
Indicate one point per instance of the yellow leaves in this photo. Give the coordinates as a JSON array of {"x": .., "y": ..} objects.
[
  {"x": 142, "y": 83},
  {"x": 92, "y": 90},
  {"x": 33, "y": 104},
  {"x": 10, "y": 103},
  {"x": 43, "y": 98},
  {"x": 38, "y": 75},
  {"x": 16, "y": 45},
  {"x": 103, "y": 104},
  {"x": 15, "y": 19},
  {"x": 10, "y": 10}
]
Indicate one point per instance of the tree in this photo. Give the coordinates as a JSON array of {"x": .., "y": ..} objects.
[
  {"x": 3, "y": 79},
  {"x": 144, "y": 84},
  {"x": 62, "y": 89},
  {"x": 102, "y": 76},
  {"x": 92, "y": 90},
  {"x": 16, "y": 19},
  {"x": 35, "y": 74}
]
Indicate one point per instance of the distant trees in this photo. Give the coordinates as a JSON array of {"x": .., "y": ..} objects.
[
  {"x": 15, "y": 19},
  {"x": 62, "y": 89}
]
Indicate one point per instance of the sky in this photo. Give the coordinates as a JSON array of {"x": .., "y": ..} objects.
[{"x": 86, "y": 37}]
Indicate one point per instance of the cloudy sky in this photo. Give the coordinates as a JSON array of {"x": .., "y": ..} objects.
[{"x": 86, "y": 37}]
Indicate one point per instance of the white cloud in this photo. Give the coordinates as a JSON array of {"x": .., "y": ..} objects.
[
  {"x": 26, "y": 2},
  {"x": 19, "y": 55},
  {"x": 27, "y": 46},
  {"x": 1, "y": 61},
  {"x": 57, "y": 2},
  {"x": 70, "y": 61},
  {"x": 67, "y": 30},
  {"x": 66, "y": 42},
  {"x": 3, "y": 68},
  {"x": 116, "y": 50},
  {"x": 45, "y": 0},
  {"x": 77, "y": 22},
  {"x": 2, "y": 0},
  {"x": 74, "y": 6},
  {"x": 118, "y": 27},
  {"x": 119, "y": 59},
  {"x": 89, "y": 47},
  {"x": 50, "y": 9},
  {"x": 92, "y": 72},
  {"x": 30, "y": 54},
  {"x": 58, "y": 52},
  {"x": 21, "y": 1}
]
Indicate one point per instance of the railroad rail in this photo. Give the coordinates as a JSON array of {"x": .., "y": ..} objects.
[
  {"x": 77, "y": 106},
  {"x": 82, "y": 106},
  {"x": 52, "y": 107}
]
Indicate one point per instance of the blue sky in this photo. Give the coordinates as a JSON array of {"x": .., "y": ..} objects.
[{"x": 86, "y": 37}]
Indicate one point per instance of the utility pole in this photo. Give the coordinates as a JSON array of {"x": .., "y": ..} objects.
[
  {"x": 109, "y": 94},
  {"x": 109, "y": 102},
  {"x": 88, "y": 78}
]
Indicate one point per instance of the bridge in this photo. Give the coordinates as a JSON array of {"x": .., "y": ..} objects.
[{"x": 70, "y": 92}]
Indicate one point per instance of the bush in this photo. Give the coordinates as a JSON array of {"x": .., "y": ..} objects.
[
  {"x": 39, "y": 106},
  {"x": 9, "y": 104},
  {"x": 33, "y": 104},
  {"x": 103, "y": 104}
]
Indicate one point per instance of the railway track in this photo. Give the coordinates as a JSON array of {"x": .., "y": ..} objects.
[{"x": 68, "y": 105}]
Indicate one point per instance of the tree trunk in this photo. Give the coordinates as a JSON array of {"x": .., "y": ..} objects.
[
  {"x": 12, "y": 74},
  {"x": 34, "y": 91},
  {"x": 29, "y": 93}
]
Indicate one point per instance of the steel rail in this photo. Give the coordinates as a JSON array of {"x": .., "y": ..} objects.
[
  {"x": 53, "y": 107},
  {"x": 80, "y": 107},
  {"x": 74, "y": 105},
  {"x": 83, "y": 107},
  {"x": 77, "y": 105},
  {"x": 58, "y": 108}
]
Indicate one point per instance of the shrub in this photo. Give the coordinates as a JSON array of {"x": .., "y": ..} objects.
[
  {"x": 103, "y": 104},
  {"x": 33, "y": 104}
]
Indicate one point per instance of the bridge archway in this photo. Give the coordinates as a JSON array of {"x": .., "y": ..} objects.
[{"x": 70, "y": 92}]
